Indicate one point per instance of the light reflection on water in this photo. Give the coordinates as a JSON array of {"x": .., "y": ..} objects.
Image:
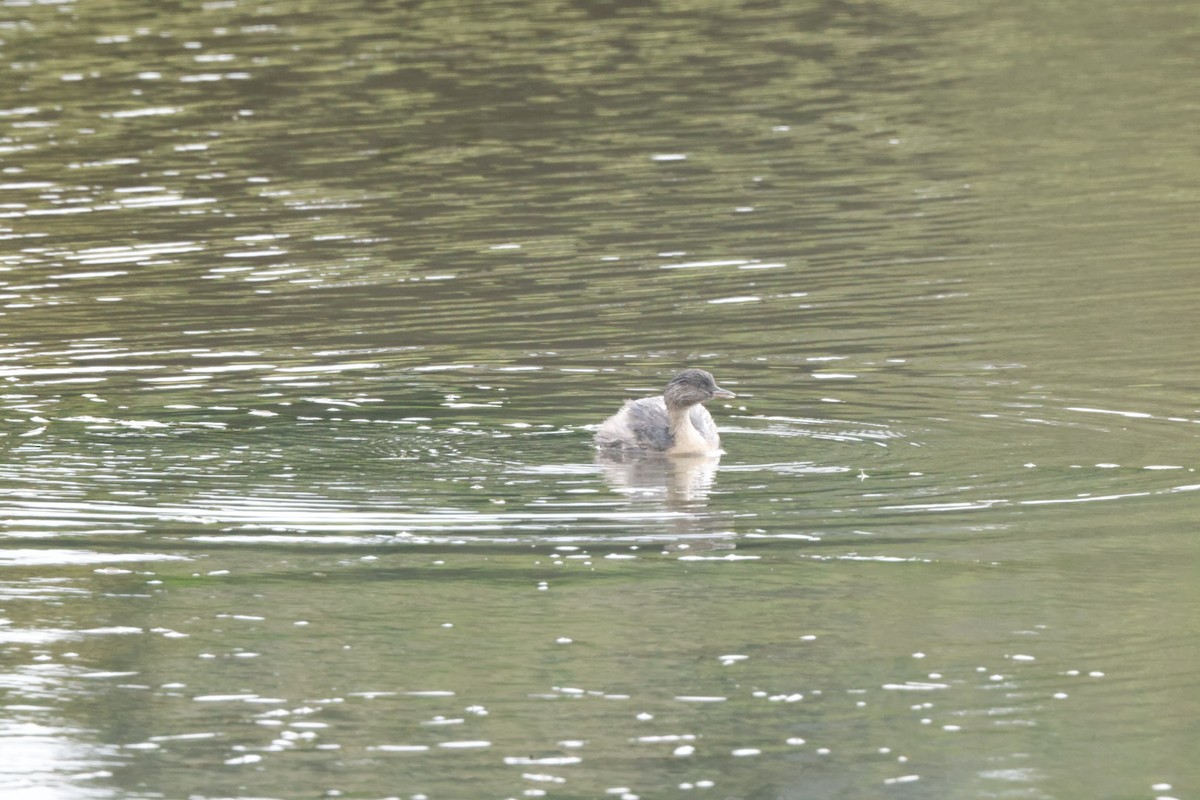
[{"x": 307, "y": 316}]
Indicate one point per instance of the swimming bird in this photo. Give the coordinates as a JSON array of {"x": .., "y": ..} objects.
[{"x": 674, "y": 422}]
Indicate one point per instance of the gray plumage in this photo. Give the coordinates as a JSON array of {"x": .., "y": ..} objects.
[{"x": 674, "y": 422}]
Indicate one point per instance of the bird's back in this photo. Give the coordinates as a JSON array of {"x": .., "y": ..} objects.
[
  {"x": 639, "y": 425},
  {"x": 644, "y": 425}
]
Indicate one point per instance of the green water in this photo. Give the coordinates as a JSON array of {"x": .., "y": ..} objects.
[{"x": 308, "y": 312}]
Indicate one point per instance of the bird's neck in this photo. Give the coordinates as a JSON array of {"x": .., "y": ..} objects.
[{"x": 686, "y": 439}]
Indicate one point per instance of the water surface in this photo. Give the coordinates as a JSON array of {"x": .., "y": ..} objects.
[{"x": 308, "y": 313}]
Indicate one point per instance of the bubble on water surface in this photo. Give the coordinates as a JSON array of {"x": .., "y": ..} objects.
[
  {"x": 250, "y": 758},
  {"x": 440, "y": 720},
  {"x": 225, "y": 698},
  {"x": 105, "y": 675},
  {"x": 398, "y": 748},
  {"x": 785, "y": 698},
  {"x": 666, "y": 737},
  {"x": 30, "y": 557},
  {"x": 545, "y": 761},
  {"x": 727, "y": 557},
  {"x": 183, "y": 737},
  {"x": 736, "y": 299}
]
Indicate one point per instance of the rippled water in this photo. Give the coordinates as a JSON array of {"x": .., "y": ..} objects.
[{"x": 307, "y": 314}]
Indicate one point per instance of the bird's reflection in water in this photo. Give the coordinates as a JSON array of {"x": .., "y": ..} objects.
[{"x": 675, "y": 483}]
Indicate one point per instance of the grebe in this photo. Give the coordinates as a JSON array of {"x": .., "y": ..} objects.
[{"x": 674, "y": 422}]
